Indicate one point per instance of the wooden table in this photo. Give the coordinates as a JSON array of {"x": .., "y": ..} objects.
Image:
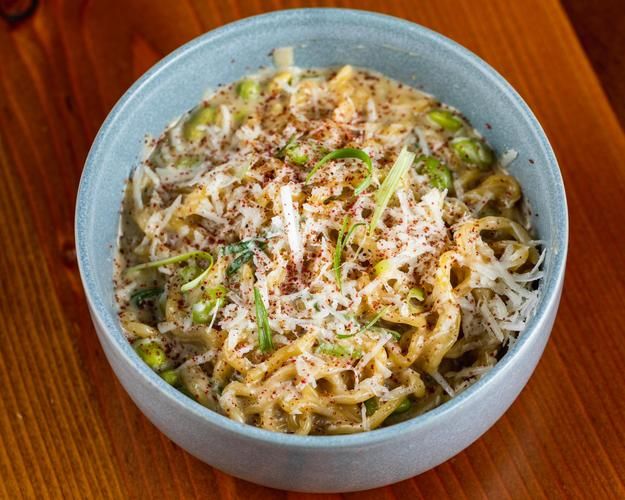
[{"x": 66, "y": 426}]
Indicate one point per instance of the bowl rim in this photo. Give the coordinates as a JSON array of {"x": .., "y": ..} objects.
[{"x": 109, "y": 323}]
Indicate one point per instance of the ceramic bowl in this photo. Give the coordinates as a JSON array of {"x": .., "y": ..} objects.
[{"x": 320, "y": 37}]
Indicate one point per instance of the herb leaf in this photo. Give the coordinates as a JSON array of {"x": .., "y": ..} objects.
[
  {"x": 140, "y": 296},
  {"x": 236, "y": 264},
  {"x": 243, "y": 245},
  {"x": 245, "y": 251}
]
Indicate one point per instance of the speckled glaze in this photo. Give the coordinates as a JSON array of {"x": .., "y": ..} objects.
[{"x": 321, "y": 37}]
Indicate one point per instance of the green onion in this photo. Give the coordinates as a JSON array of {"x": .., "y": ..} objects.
[
  {"x": 416, "y": 293},
  {"x": 188, "y": 272},
  {"x": 339, "y": 351},
  {"x": 404, "y": 406},
  {"x": 140, "y": 296},
  {"x": 173, "y": 260},
  {"x": 195, "y": 282},
  {"x": 185, "y": 162},
  {"x": 296, "y": 155},
  {"x": 445, "y": 119},
  {"x": 358, "y": 154},
  {"x": 265, "y": 341},
  {"x": 382, "y": 267},
  {"x": 293, "y": 152},
  {"x": 390, "y": 184},
  {"x": 439, "y": 174},
  {"x": 371, "y": 405},
  {"x": 282, "y": 151},
  {"x": 341, "y": 241},
  {"x": 367, "y": 326},
  {"x": 473, "y": 152},
  {"x": 396, "y": 335}
]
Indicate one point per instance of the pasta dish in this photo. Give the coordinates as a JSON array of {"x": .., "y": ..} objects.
[{"x": 323, "y": 251}]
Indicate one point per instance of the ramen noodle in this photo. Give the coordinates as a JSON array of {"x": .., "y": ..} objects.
[{"x": 323, "y": 251}]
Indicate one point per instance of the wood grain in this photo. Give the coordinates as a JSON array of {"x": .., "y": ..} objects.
[
  {"x": 67, "y": 429},
  {"x": 600, "y": 27}
]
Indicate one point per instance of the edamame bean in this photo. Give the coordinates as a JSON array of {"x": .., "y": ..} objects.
[
  {"x": 248, "y": 89},
  {"x": 445, "y": 119},
  {"x": 404, "y": 406},
  {"x": 439, "y": 174},
  {"x": 473, "y": 152},
  {"x": 191, "y": 130},
  {"x": 201, "y": 312},
  {"x": 152, "y": 354},
  {"x": 171, "y": 377},
  {"x": 371, "y": 405}
]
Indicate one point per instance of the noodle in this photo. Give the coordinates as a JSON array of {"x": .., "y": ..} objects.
[{"x": 281, "y": 303}]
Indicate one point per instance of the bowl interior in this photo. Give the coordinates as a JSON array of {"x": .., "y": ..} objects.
[{"x": 320, "y": 37}]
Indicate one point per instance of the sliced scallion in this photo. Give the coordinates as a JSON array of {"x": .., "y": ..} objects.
[
  {"x": 416, "y": 293},
  {"x": 282, "y": 151},
  {"x": 337, "y": 154},
  {"x": 173, "y": 260},
  {"x": 341, "y": 241},
  {"x": 339, "y": 351},
  {"x": 389, "y": 186},
  {"x": 196, "y": 281},
  {"x": 265, "y": 342},
  {"x": 373, "y": 321}
]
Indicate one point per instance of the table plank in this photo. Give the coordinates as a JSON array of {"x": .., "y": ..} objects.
[
  {"x": 67, "y": 427},
  {"x": 600, "y": 27}
]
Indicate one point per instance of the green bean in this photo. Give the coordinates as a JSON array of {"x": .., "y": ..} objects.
[
  {"x": 473, "y": 152},
  {"x": 171, "y": 377},
  {"x": 445, "y": 119},
  {"x": 439, "y": 174},
  {"x": 203, "y": 116},
  {"x": 248, "y": 89},
  {"x": 404, "y": 406},
  {"x": 152, "y": 354}
]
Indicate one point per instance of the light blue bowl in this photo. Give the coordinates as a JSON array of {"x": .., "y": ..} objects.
[{"x": 321, "y": 37}]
